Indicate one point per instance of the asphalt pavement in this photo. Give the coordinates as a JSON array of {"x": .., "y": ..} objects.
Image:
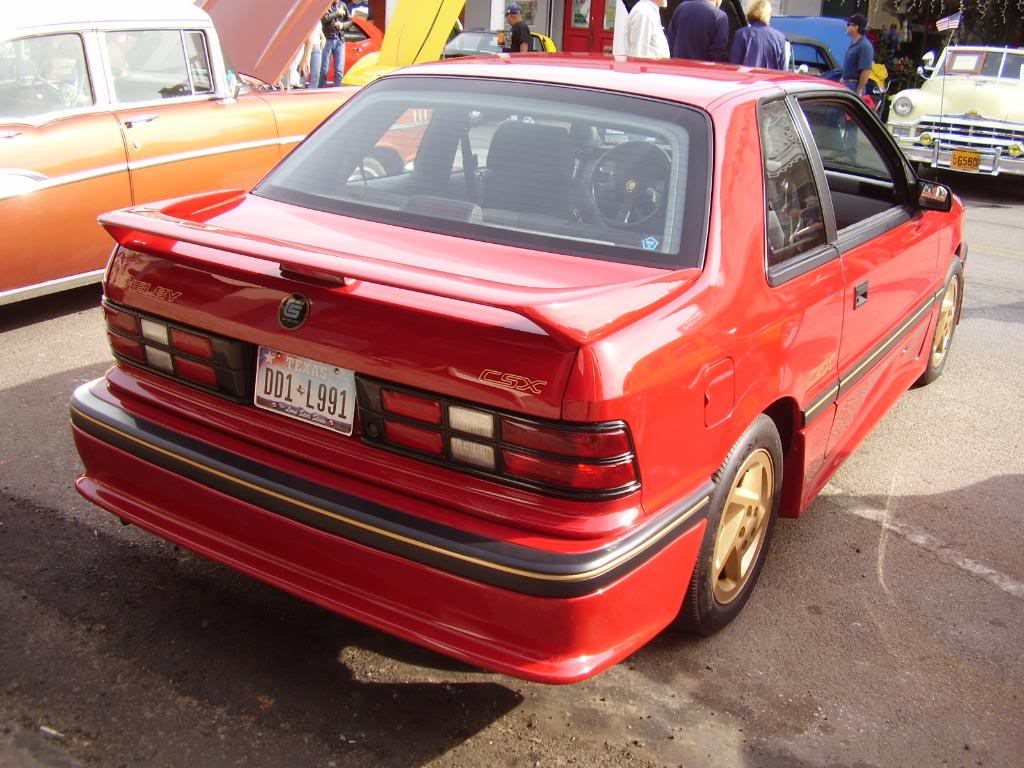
[{"x": 886, "y": 630}]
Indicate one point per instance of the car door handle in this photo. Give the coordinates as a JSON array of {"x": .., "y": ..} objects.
[
  {"x": 139, "y": 120},
  {"x": 860, "y": 294},
  {"x": 9, "y": 134}
]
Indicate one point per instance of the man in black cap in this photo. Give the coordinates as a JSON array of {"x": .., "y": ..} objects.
[
  {"x": 518, "y": 40},
  {"x": 860, "y": 56}
]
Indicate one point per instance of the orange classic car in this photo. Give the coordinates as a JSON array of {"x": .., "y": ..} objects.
[{"x": 109, "y": 103}]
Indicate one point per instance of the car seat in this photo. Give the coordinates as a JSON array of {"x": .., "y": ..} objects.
[{"x": 529, "y": 169}]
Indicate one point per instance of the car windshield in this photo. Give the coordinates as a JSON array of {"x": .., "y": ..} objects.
[
  {"x": 980, "y": 62},
  {"x": 470, "y": 43},
  {"x": 546, "y": 167}
]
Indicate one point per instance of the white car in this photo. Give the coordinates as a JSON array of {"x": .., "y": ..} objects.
[{"x": 969, "y": 115}]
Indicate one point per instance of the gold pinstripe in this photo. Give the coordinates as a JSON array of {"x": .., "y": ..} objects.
[
  {"x": 822, "y": 400},
  {"x": 641, "y": 547}
]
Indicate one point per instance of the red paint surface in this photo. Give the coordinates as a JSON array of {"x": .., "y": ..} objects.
[{"x": 580, "y": 326}]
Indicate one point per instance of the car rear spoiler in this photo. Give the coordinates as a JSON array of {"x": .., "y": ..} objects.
[{"x": 573, "y": 316}]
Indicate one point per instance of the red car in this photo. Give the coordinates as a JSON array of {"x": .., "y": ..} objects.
[{"x": 544, "y": 388}]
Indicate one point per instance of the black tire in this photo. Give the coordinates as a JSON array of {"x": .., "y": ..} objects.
[
  {"x": 714, "y": 598},
  {"x": 945, "y": 326}
]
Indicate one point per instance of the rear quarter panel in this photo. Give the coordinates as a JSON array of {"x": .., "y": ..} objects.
[{"x": 654, "y": 374}]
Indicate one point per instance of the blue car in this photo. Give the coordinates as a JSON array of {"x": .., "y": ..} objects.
[{"x": 829, "y": 30}]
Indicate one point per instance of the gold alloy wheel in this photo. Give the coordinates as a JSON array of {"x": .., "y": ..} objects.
[
  {"x": 743, "y": 526},
  {"x": 945, "y": 323}
]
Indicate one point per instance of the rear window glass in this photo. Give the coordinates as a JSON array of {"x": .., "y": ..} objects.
[{"x": 552, "y": 168}]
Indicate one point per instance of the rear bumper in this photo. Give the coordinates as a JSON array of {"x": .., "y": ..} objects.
[{"x": 534, "y": 613}]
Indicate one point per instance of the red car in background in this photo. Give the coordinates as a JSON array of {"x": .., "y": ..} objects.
[{"x": 544, "y": 388}]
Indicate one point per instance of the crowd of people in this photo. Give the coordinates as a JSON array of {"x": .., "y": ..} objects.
[{"x": 699, "y": 29}]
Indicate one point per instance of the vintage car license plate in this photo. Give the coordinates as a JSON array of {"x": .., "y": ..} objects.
[
  {"x": 965, "y": 160},
  {"x": 306, "y": 390}
]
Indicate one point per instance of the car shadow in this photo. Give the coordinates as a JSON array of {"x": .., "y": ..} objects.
[
  {"x": 228, "y": 643},
  {"x": 798, "y": 652},
  {"x": 195, "y": 636},
  {"x": 31, "y": 311}
]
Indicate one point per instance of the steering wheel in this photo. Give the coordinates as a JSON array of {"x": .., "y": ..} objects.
[
  {"x": 69, "y": 95},
  {"x": 626, "y": 185}
]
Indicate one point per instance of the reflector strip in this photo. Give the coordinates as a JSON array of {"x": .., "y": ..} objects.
[
  {"x": 200, "y": 346},
  {"x": 570, "y": 474},
  {"x": 413, "y": 437},
  {"x": 202, "y": 374},
  {"x": 411, "y": 406},
  {"x": 127, "y": 347}
]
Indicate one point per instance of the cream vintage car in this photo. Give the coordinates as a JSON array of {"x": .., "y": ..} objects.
[{"x": 968, "y": 115}]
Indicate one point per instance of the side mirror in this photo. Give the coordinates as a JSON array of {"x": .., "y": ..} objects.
[
  {"x": 928, "y": 59},
  {"x": 803, "y": 69},
  {"x": 933, "y": 196}
]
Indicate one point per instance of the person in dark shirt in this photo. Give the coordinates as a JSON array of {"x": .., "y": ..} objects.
[
  {"x": 518, "y": 40},
  {"x": 759, "y": 45},
  {"x": 699, "y": 30},
  {"x": 334, "y": 23}
]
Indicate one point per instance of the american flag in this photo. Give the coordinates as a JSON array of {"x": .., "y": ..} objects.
[{"x": 949, "y": 22}]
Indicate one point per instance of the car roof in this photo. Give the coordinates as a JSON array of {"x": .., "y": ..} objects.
[
  {"x": 989, "y": 48},
  {"x": 88, "y": 13},
  {"x": 694, "y": 82}
]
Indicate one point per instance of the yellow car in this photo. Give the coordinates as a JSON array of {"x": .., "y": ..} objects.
[{"x": 419, "y": 32}]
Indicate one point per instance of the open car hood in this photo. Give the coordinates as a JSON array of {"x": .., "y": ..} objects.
[
  {"x": 418, "y": 31},
  {"x": 261, "y": 39}
]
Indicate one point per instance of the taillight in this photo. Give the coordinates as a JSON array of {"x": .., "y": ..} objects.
[
  {"x": 577, "y": 460},
  {"x": 197, "y": 358},
  {"x": 577, "y": 475}
]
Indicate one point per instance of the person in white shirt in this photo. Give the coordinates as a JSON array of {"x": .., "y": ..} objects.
[
  {"x": 645, "y": 37},
  {"x": 622, "y": 9}
]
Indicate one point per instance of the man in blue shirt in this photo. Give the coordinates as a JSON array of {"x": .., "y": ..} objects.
[
  {"x": 860, "y": 56},
  {"x": 758, "y": 45},
  {"x": 699, "y": 30}
]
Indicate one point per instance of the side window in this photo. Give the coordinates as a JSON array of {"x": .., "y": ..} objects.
[
  {"x": 1011, "y": 68},
  {"x": 993, "y": 63},
  {"x": 859, "y": 172},
  {"x": 198, "y": 62},
  {"x": 793, "y": 213},
  {"x": 39, "y": 75},
  {"x": 147, "y": 65}
]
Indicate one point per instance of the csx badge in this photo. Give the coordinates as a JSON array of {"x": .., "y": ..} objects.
[
  {"x": 293, "y": 311},
  {"x": 512, "y": 381}
]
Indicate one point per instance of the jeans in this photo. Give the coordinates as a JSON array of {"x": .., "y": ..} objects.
[
  {"x": 314, "y": 68},
  {"x": 334, "y": 49}
]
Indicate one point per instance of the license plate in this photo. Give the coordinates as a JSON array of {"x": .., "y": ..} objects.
[
  {"x": 965, "y": 160},
  {"x": 307, "y": 390}
]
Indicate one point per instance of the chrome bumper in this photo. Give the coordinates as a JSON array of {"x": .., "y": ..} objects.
[{"x": 994, "y": 160}]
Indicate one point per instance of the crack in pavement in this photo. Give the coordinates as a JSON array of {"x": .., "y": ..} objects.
[{"x": 924, "y": 540}]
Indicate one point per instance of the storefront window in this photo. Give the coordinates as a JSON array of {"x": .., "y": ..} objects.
[
  {"x": 581, "y": 14},
  {"x": 609, "y": 15}
]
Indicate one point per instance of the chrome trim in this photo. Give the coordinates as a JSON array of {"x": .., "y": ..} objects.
[
  {"x": 198, "y": 153},
  {"x": 50, "y": 286},
  {"x": 45, "y": 182}
]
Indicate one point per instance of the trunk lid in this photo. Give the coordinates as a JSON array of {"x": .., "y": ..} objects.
[{"x": 477, "y": 321}]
